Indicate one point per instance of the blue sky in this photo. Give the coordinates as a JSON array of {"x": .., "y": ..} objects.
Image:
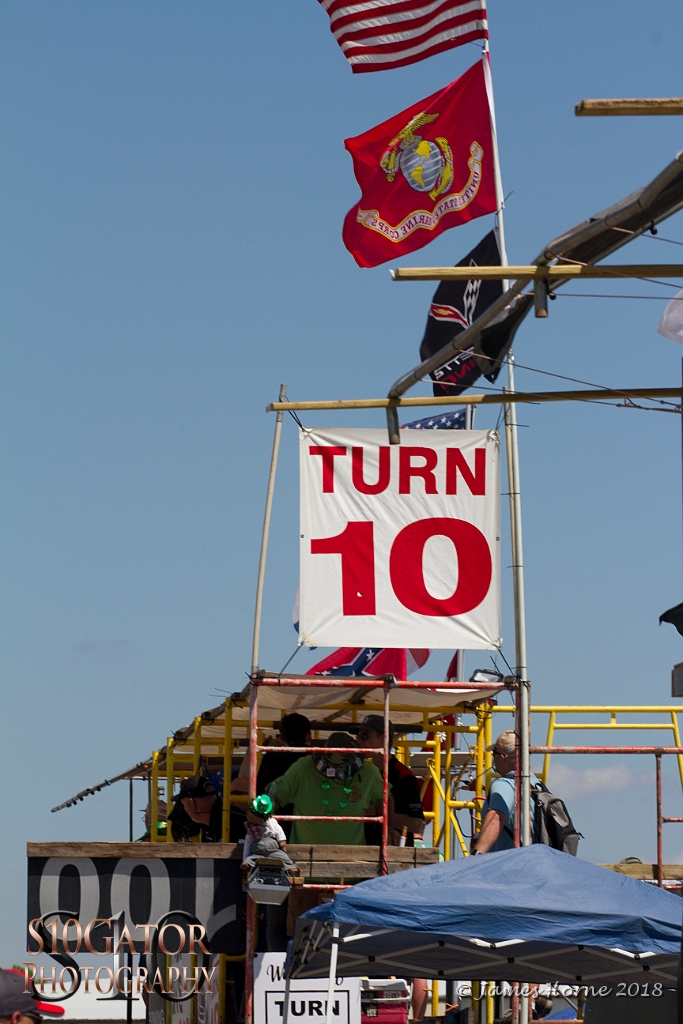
[{"x": 173, "y": 188}]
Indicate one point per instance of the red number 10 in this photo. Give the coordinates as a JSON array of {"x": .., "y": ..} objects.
[{"x": 357, "y": 549}]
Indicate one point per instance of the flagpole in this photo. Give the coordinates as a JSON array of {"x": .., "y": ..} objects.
[
  {"x": 264, "y": 536},
  {"x": 512, "y": 445}
]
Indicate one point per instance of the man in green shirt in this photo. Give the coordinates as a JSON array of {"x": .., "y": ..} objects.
[{"x": 334, "y": 784}]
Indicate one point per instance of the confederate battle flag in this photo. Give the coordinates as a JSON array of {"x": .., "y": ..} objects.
[
  {"x": 427, "y": 169},
  {"x": 370, "y": 661}
]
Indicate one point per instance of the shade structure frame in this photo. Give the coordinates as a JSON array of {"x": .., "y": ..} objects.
[{"x": 451, "y": 957}]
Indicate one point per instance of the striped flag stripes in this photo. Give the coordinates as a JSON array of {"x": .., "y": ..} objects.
[{"x": 376, "y": 35}]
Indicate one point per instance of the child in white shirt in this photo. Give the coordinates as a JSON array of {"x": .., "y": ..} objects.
[{"x": 265, "y": 836}]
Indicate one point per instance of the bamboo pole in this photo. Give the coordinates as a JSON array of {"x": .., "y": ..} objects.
[
  {"x": 266, "y": 531},
  {"x": 517, "y": 396},
  {"x": 227, "y": 774},
  {"x": 559, "y": 271},
  {"x": 611, "y": 108}
]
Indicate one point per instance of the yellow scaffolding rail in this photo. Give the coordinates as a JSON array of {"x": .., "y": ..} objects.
[{"x": 443, "y": 765}]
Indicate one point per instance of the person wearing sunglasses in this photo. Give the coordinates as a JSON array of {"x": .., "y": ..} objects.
[
  {"x": 200, "y": 802},
  {"x": 498, "y": 812},
  {"x": 405, "y": 806}
]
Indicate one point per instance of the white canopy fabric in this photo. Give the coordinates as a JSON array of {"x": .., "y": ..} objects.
[{"x": 407, "y": 705}]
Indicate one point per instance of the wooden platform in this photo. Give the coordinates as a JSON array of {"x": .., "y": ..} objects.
[{"x": 328, "y": 862}]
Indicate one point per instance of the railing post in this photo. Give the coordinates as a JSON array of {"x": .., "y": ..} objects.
[
  {"x": 549, "y": 742},
  {"x": 447, "y": 846},
  {"x": 249, "y": 958},
  {"x": 154, "y": 799},
  {"x": 436, "y": 786},
  {"x": 523, "y": 692},
  {"x": 385, "y": 781},
  {"x": 660, "y": 872},
  {"x": 514, "y": 1002},
  {"x": 517, "y": 839},
  {"x": 197, "y": 744},
  {"x": 253, "y": 737},
  {"x": 334, "y": 953},
  {"x": 249, "y": 962},
  {"x": 227, "y": 773}
]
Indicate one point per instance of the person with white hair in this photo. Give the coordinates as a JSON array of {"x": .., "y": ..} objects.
[{"x": 498, "y": 812}]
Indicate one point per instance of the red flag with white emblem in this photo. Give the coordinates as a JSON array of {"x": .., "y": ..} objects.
[{"x": 423, "y": 171}]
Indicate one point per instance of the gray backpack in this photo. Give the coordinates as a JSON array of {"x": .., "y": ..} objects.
[{"x": 552, "y": 823}]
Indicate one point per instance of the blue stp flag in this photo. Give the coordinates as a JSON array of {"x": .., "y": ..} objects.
[{"x": 455, "y": 307}]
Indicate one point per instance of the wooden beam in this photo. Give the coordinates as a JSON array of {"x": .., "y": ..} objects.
[
  {"x": 305, "y": 854},
  {"x": 622, "y": 108},
  {"x": 646, "y": 872},
  {"x": 518, "y": 396},
  {"x": 351, "y": 869},
  {"x": 399, "y": 855},
  {"x": 194, "y": 851},
  {"x": 558, "y": 271}
]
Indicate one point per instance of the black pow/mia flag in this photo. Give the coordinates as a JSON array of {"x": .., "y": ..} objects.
[{"x": 455, "y": 306}]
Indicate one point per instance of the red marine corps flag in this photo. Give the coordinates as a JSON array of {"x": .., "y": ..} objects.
[{"x": 427, "y": 169}]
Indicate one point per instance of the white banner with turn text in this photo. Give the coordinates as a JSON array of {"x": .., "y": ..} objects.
[{"x": 399, "y": 544}]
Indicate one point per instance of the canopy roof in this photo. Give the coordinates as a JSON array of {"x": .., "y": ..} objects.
[
  {"x": 408, "y": 706},
  {"x": 532, "y": 914},
  {"x": 325, "y": 706}
]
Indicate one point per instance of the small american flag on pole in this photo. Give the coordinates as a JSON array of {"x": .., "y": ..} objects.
[{"x": 375, "y": 35}]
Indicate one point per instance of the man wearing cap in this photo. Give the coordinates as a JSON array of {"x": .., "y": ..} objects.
[
  {"x": 338, "y": 785},
  {"x": 201, "y": 803},
  {"x": 498, "y": 812},
  {"x": 17, "y": 1006},
  {"x": 405, "y": 810}
]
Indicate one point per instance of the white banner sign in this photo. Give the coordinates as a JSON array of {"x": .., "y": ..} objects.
[
  {"x": 400, "y": 543},
  {"x": 307, "y": 999}
]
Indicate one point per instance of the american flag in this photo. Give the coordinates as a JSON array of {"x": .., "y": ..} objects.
[
  {"x": 375, "y": 35},
  {"x": 443, "y": 421}
]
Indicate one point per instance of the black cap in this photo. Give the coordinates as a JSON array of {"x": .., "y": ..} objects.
[
  {"x": 376, "y": 723},
  {"x": 196, "y": 786},
  {"x": 13, "y": 999}
]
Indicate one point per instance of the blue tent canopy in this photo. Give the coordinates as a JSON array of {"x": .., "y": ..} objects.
[{"x": 527, "y": 914}]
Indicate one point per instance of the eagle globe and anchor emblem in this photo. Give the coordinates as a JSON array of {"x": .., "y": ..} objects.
[{"x": 427, "y": 166}]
